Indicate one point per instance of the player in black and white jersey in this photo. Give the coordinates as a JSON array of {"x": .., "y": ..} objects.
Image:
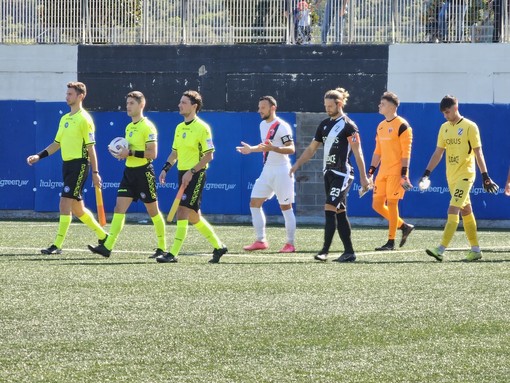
[{"x": 340, "y": 137}]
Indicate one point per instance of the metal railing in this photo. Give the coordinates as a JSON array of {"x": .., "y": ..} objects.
[{"x": 252, "y": 21}]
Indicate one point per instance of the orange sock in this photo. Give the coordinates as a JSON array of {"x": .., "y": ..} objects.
[{"x": 393, "y": 218}]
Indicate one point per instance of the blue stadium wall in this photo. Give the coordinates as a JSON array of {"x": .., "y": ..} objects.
[{"x": 32, "y": 86}]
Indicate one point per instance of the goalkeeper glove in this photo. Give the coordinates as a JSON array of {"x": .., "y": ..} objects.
[
  {"x": 424, "y": 183},
  {"x": 489, "y": 185},
  {"x": 405, "y": 183}
]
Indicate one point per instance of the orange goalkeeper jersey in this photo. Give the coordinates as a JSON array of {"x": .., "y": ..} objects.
[{"x": 393, "y": 142}]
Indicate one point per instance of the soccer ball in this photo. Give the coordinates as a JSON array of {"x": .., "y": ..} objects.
[{"x": 116, "y": 145}]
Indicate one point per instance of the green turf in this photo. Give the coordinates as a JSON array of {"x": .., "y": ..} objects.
[{"x": 390, "y": 317}]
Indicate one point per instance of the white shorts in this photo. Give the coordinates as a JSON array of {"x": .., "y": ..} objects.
[{"x": 275, "y": 180}]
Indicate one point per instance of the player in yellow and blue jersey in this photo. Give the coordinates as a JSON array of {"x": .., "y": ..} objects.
[{"x": 460, "y": 139}]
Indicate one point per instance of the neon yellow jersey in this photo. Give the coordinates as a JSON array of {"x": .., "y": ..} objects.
[
  {"x": 191, "y": 141},
  {"x": 74, "y": 133},
  {"x": 459, "y": 140},
  {"x": 137, "y": 135}
]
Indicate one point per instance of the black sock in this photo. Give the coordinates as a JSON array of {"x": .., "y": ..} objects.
[
  {"x": 344, "y": 230},
  {"x": 329, "y": 230}
]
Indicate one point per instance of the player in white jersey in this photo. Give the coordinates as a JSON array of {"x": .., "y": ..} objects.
[{"x": 276, "y": 146}]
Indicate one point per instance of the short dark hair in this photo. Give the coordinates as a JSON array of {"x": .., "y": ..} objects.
[
  {"x": 337, "y": 95},
  {"x": 137, "y": 95},
  {"x": 195, "y": 98},
  {"x": 269, "y": 99},
  {"x": 447, "y": 102},
  {"x": 391, "y": 97},
  {"x": 79, "y": 87}
]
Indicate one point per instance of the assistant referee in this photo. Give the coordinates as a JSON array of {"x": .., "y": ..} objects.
[{"x": 75, "y": 137}]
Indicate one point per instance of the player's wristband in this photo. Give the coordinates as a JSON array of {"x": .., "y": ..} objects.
[
  {"x": 167, "y": 166},
  {"x": 427, "y": 173},
  {"x": 403, "y": 172},
  {"x": 371, "y": 170},
  {"x": 43, "y": 154},
  {"x": 95, "y": 171},
  {"x": 139, "y": 153},
  {"x": 485, "y": 176}
]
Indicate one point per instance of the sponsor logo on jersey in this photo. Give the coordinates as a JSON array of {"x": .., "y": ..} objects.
[
  {"x": 453, "y": 141},
  {"x": 453, "y": 159}
]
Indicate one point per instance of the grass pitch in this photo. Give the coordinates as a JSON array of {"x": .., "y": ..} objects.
[{"x": 256, "y": 317}]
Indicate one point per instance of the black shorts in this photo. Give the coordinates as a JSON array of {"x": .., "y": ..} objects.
[
  {"x": 74, "y": 174},
  {"x": 337, "y": 186},
  {"x": 192, "y": 197},
  {"x": 139, "y": 183}
]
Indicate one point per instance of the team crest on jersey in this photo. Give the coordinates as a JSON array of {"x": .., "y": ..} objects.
[
  {"x": 459, "y": 132},
  {"x": 390, "y": 130},
  {"x": 66, "y": 125},
  {"x": 130, "y": 134},
  {"x": 184, "y": 135}
]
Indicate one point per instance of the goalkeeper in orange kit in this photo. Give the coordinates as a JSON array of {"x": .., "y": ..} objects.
[{"x": 393, "y": 143}]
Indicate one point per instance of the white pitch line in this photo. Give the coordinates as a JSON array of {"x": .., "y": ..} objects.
[{"x": 297, "y": 255}]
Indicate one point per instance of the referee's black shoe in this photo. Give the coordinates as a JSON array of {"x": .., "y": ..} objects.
[
  {"x": 101, "y": 250},
  {"x": 157, "y": 253},
  {"x": 102, "y": 241},
  {"x": 166, "y": 258},
  {"x": 51, "y": 250},
  {"x": 217, "y": 254}
]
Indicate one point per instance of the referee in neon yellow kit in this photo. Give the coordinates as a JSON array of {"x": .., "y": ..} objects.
[
  {"x": 192, "y": 149},
  {"x": 76, "y": 140}
]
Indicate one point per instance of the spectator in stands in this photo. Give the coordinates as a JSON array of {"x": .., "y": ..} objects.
[
  {"x": 302, "y": 23},
  {"x": 432, "y": 20},
  {"x": 329, "y": 13},
  {"x": 497, "y": 7},
  {"x": 452, "y": 11}
]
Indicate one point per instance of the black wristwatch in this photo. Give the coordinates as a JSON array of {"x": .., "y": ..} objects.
[{"x": 192, "y": 170}]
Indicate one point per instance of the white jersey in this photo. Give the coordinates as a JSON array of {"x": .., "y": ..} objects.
[{"x": 280, "y": 134}]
